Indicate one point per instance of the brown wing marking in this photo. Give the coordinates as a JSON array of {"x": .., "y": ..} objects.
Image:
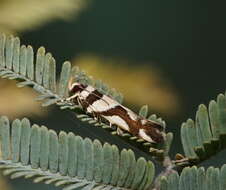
[{"x": 150, "y": 128}]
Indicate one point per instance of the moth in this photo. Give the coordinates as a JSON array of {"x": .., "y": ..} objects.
[{"x": 104, "y": 107}]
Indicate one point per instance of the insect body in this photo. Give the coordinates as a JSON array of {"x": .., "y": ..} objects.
[{"x": 103, "y": 106}]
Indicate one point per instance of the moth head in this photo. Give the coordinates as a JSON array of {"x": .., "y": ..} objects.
[{"x": 75, "y": 87}]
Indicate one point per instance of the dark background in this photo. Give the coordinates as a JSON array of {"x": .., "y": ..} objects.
[{"x": 186, "y": 39}]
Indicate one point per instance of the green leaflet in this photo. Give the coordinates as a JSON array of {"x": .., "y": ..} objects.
[
  {"x": 9, "y": 52},
  {"x": 63, "y": 153},
  {"x": 81, "y": 157},
  {"x": 15, "y": 137},
  {"x": 46, "y": 71},
  {"x": 125, "y": 166},
  {"x": 52, "y": 74},
  {"x": 89, "y": 159},
  {"x": 2, "y": 49},
  {"x": 132, "y": 162},
  {"x": 5, "y": 138},
  {"x": 206, "y": 135},
  {"x": 16, "y": 55},
  {"x": 30, "y": 63},
  {"x": 72, "y": 157},
  {"x": 35, "y": 146},
  {"x": 140, "y": 172},
  {"x": 64, "y": 78},
  {"x": 23, "y": 60},
  {"x": 25, "y": 141},
  {"x": 44, "y": 151},
  {"x": 39, "y": 70},
  {"x": 53, "y": 151},
  {"x": 193, "y": 178},
  {"x": 108, "y": 162},
  {"x": 68, "y": 160},
  {"x": 143, "y": 111}
]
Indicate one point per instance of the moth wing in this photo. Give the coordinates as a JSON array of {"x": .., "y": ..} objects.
[{"x": 104, "y": 104}]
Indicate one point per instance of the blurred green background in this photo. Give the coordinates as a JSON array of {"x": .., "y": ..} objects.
[{"x": 167, "y": 54}]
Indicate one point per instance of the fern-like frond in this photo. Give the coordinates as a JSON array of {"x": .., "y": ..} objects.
[
  {"x": 193, "y": 178},
  {"x": 68, "y": 160},
  {"x": 206, "y": 135},
  {"x": 19, "y": 62}
]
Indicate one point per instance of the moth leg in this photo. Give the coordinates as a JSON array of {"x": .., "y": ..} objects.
[
  {"x": 119, "y": 131},
  {"x": 97, "y": 117},
  {"x": 70, "y": 98},
  {"x": 79, "y": 100},
  {"x": 94, "y": 114},
  {"x": 64, "y": 101},
  {"x": 83, "y": 103}
]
